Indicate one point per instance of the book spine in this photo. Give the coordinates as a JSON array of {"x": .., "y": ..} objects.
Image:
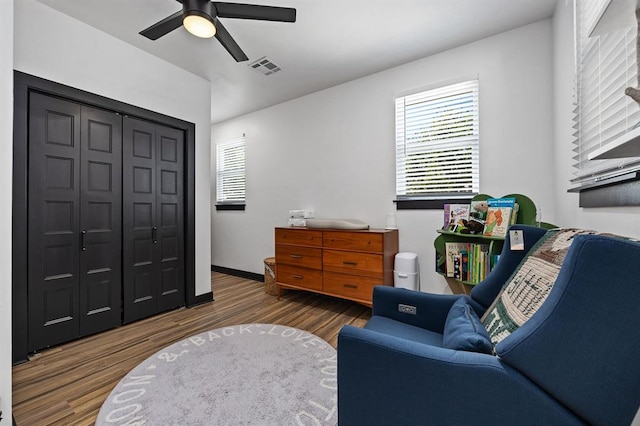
[
  {"x": 496, "y": 258},
  {"x": 487, "y": 261},
  {"x": 447, "y": 216},
  {"x": 470, "y": 265},
  {"x": 479, "y": 266},
  {"x": 456, "y": 266},
  {"x": 464, "y": 259},
  {"x": 485, "y": 265},
  {"x": 475, "y": 265},
  {"x": 514, "y": 214}
]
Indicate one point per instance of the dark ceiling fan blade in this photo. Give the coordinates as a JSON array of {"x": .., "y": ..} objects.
[
  {"x": 163, "y": 27},
  {"x": 252, "y": 11},
  {"x": 228, "y": 42}
]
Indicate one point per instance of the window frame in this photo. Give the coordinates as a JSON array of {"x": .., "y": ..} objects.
[
  {"x": 422, "y": 108},
  {"x": 231, "y": 204},
  {"x": 602, "y": 112}
]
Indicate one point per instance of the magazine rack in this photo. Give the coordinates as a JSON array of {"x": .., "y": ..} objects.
[{"x": 526, "y": 216}]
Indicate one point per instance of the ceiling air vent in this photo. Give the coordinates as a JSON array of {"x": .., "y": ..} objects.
[{"x": 265, "y": 66}]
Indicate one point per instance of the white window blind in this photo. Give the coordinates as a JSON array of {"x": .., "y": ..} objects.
[
  {"x": 605, "y": 67},
  {"x": 437, "y": 143},
  {"x": 230, "y": 172}
]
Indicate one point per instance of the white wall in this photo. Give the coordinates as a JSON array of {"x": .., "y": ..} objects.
[
  {"x": 619, "y": 220},
  {"x": 6, "y": 167},
  {"x": 70, "y": 52},
  {"x": 334, "y": 151}
]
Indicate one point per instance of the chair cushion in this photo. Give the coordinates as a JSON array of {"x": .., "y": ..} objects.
[
  {"x": 528, "y": 287},
  {"x": 463, "y": 330},
  {"x": 399, "y": 329}
]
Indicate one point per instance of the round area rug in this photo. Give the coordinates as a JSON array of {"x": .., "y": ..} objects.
[{"x": 251, "y": 374}]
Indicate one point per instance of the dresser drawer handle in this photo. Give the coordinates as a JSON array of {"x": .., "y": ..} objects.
[
  {"x": 350, "y": 263},
  {"x": 296, "y": 256},
  {"x": 350, "y": 286},
  {"x": 297, "y": 277}
]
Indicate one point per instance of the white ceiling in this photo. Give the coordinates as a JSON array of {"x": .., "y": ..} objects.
[{"x": 332, "y": 41}]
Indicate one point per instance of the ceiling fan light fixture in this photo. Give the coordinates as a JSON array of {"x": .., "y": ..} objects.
[
  {"x": 200, "y": 18},
  {"x": 199, "y": 25}
]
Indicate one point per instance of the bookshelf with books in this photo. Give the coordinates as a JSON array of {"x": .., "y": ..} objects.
[{"x": 467, "y": 250}]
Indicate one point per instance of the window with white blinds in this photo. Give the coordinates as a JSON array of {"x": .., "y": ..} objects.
[
  {"x": 605, "y": 67},
  {"x": 230, "y": 172},
  {"x": 437, "y": 143}
]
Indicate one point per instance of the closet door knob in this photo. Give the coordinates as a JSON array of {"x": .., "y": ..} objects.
[
  {"x": 83, "y": 244},
  {"x": 154, "y": 234}
]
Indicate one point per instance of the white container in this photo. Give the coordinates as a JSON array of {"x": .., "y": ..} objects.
[{"x": 406, "y": 273}]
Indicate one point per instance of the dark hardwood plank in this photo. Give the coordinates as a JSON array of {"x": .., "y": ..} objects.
[{"x": 67, "y": 384}]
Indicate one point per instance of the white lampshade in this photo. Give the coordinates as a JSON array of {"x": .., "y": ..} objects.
[{"x": 199, "y": 26}]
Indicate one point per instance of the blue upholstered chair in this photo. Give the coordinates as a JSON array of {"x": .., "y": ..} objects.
[{"x": 575, "y": 361}]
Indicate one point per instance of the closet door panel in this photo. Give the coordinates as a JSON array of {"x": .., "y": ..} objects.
[
  {"x": 140, "y": 293},
  {"x": 101, "y": 226},
  {"x": 170, "y": 146},
  {"x": 53, "y": 221},
  {"x": 153, "y": 218}
]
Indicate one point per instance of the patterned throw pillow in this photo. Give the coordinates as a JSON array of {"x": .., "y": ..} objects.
[{"x": 530, "y": 284}]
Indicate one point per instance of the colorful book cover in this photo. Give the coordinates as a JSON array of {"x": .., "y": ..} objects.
[
  {"x": 453, "y": 249},
  {"x": 497, "y": 223},
  {"x": 464, "y": 259},
  {"x": 478, "y": 210},
  {"x": 483, "y": 250},
  {"x": 457, "y": 212},
  {"x": 501, "y": 202},
  {"x": 456, "y": 267},
  {"x": 506, "y": 202},
  {"x": 447, "y": 216}
]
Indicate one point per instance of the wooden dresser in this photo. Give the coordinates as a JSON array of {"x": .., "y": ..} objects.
[{"x": 341, "y": 263}]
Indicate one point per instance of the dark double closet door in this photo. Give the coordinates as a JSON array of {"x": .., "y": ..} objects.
[{"x": 105, "y": 221}]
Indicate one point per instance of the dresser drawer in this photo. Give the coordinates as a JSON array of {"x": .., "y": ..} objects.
[
  {"x": 350, "y": 286},
  {"x": 301, "y": 277},
  {"x": 307, "y": 257},
  {"x": 359, "y": 241},
  {"x": 370, "y": 265},
  {"x": 302, "y": 237}
]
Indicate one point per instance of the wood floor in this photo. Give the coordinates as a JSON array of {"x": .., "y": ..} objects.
[{"x": 67, "y": 385}]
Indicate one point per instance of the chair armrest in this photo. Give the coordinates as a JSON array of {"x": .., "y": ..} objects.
[
  {"x": 431, "y": 309},
  {"x": 416, "y": 383},
  {"x": 588, "y": 329}
]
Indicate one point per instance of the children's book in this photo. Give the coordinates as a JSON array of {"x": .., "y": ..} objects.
[
  {"x": 447, "y": 216},
  {"x": 501, "y": 202},
  {"x": 498, "y": 221},
  {"x": 478, "y": 210},
  {"x": 454, "y": 213},
  {"x": 457, "y": 267},
  {"x": 453, "y": 251},
  {"x": 514, "y": 213}
]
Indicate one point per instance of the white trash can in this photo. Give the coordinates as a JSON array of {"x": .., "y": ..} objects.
[{"x": 406, "y": 273}]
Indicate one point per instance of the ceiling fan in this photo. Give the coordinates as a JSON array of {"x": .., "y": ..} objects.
[{"x": 200, "y": 18}]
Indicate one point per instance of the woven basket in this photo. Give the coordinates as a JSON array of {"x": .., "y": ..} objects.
[{"x": 270, "y": 286}]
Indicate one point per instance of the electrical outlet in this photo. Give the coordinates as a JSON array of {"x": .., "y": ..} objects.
[{"x": 407, "y": 309}]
